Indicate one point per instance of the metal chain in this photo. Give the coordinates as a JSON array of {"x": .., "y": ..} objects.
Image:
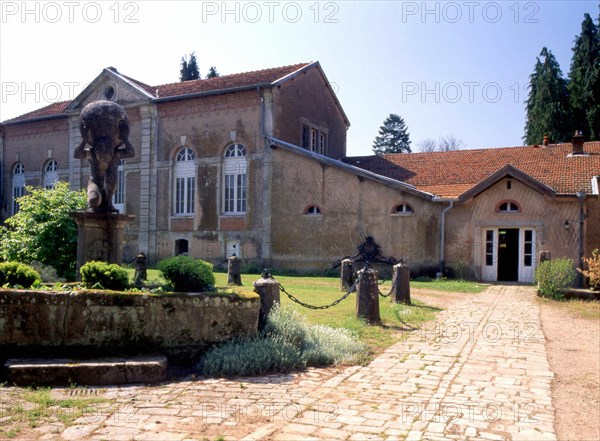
[
  {"x": 306, "y": 305},
  {"x": 389, "y": 293}
]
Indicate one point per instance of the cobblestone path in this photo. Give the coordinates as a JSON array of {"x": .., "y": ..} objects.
[{"x": 479, "y": 372}]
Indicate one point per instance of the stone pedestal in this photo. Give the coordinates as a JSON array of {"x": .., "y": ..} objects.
[
  {"x": 401, "y": 284},
  {"x": 268, "y": 290},
  {"x": 100, "y": 236}
]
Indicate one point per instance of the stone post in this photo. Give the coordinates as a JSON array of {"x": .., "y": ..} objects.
[
  {"x": 141, "y": 269},
  {"x": 268, "y": 290},
  {"x": 346, "y": 275},
  {"x": 401, "y": 284},
  {"x": 367, "y": 299},
  {"x": 234, "y": 271}
]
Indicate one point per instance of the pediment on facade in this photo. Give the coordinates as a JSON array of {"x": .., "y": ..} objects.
[
  {"x": 507, "y": 171},
  {"x": 113, "y": 86}
]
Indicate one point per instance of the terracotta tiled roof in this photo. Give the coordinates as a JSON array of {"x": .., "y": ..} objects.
[
  {"x": 227, "y": 81},
  {"x": 450, "y": 174},
  {"x": 50, "y": 110},
  {"x": 246, "y": 79}
]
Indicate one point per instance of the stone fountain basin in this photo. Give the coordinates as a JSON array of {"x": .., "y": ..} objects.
[{"x": 92, "y": 323}]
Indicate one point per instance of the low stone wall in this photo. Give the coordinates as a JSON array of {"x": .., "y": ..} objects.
[{"x": 96, "y": 323}]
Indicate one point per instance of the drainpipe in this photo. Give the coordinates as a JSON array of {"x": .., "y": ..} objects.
[
  {"x": 443, "y": 234},
  {"x": 581, "y": 197}
]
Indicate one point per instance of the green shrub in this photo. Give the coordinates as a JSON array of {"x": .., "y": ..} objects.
[
  {"x": 553, "y": 276},
  {"x": 187, "y": 274},
  {"x": 18, "y": 274},
  {"x": 42, "y": 229},
  {"x": 252, "y": 357},
  {"x": 287, "y": 343},
  {"x": 96, "y": 274}
]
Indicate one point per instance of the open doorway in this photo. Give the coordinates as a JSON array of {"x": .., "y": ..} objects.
[
  {"x": 508, "y": 254},
  {"x": 181, "y": 247}
]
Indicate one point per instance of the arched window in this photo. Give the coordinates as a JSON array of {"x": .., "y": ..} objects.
[
  {"x": 182, "y": 246},
  {"x": 18, "y": 185},
  {"x": 235, "y": 180},
  {"x": 50, "y": 174},
  {"x": 403, "y": 209},
  {"x": 185, "y": 182},
  {"x": 312, "y": 210},
  {"x": 508, "y": 207},
  {"x": 119, "y": 196}
]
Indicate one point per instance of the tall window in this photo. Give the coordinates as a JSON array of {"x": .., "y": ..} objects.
[
  {"x": 185, "y": 181},
  {"x": 528, "y": 250},
  {"x": 50, "y": 174},
  {"x": 489, "y": 247},
  {"x": 18, "y": 185},
  {"x": 236, "y": 181},
  {"x": 119, "y": 196}
]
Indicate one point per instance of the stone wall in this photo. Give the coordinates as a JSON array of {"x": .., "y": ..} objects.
[{"x": 82, "y": 323}]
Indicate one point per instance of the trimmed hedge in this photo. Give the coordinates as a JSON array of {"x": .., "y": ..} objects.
[
  {"x": 187, "y": 274},
  {"x": 18, "y": 274},
  {"x": 95, "y": 274}
]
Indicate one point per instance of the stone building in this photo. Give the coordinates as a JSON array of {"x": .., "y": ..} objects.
[{"x": 255, "y": 164}]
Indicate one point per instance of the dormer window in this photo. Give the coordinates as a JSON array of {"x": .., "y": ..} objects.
[
  {"x": 403, "y": 210},
  {"x": 508, "y": 207}
]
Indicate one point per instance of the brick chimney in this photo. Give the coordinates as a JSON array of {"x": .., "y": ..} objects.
[
  {"x": 546, "y": 140},
  {"x": 577, "y": 143}
]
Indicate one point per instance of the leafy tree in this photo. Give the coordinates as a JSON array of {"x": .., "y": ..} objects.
[
  {"x": 393, "y": 137},
  {"x": 548, "y": 110},
  {"x": 584, "y": 76},
  {"x": 42, "y": 229},
  {"x": 212, "y": 73},
  {"x": 189, "y": 69}
]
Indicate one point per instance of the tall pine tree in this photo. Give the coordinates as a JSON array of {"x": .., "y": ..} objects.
[
  {"x": 189, "y": 69},
  {"x": 584, "y": 80},
  {"x": 393, "y": 137},
  {"x": 547, "y": 106}
]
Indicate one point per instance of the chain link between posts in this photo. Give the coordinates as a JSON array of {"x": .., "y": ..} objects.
[{"x": 306, "y": 305}]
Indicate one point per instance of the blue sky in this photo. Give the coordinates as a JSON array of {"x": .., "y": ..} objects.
[{"x": 458, "y": 68}]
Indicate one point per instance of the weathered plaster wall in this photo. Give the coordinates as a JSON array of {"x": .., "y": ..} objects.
[
  {"x": 352, "y": 208},
  {"x": 209, "y": 125},
  {"x": 111, "y": 323},
  {"x": 307, "y": 96},
  {"x": 467, "y": 222}
]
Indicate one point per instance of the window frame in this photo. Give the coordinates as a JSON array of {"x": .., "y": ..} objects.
[
  {"x": 50, "y": 174},
  {"x": 312, "y": 210},
  {"x": 235, "y": 180},
  {"x": 512, "y": 207},
  {"x": 184, "y": 182},
  {"x": 18, "y": 185},
  {"x": 407, "y": 210}
]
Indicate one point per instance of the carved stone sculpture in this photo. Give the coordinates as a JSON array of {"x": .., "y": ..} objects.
[{"x": 104, "y": 128}]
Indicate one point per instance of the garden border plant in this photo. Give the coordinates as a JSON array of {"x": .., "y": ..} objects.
[{"x": 554, "y": 276}]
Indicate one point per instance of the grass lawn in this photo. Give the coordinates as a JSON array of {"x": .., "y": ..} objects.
[{"x": 397, "y": 319}]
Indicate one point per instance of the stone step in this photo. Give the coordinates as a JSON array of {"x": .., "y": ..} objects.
[{"x": 100, "y": 371}]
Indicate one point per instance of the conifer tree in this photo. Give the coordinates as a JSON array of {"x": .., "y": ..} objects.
[
  {"x": 189, "y": 69},
  {"x": 547, "y": 106},
  {"x": 212, "y": 73},
  {"x": 584, "y": 80},
  {"x": 393, "y": 137}
]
